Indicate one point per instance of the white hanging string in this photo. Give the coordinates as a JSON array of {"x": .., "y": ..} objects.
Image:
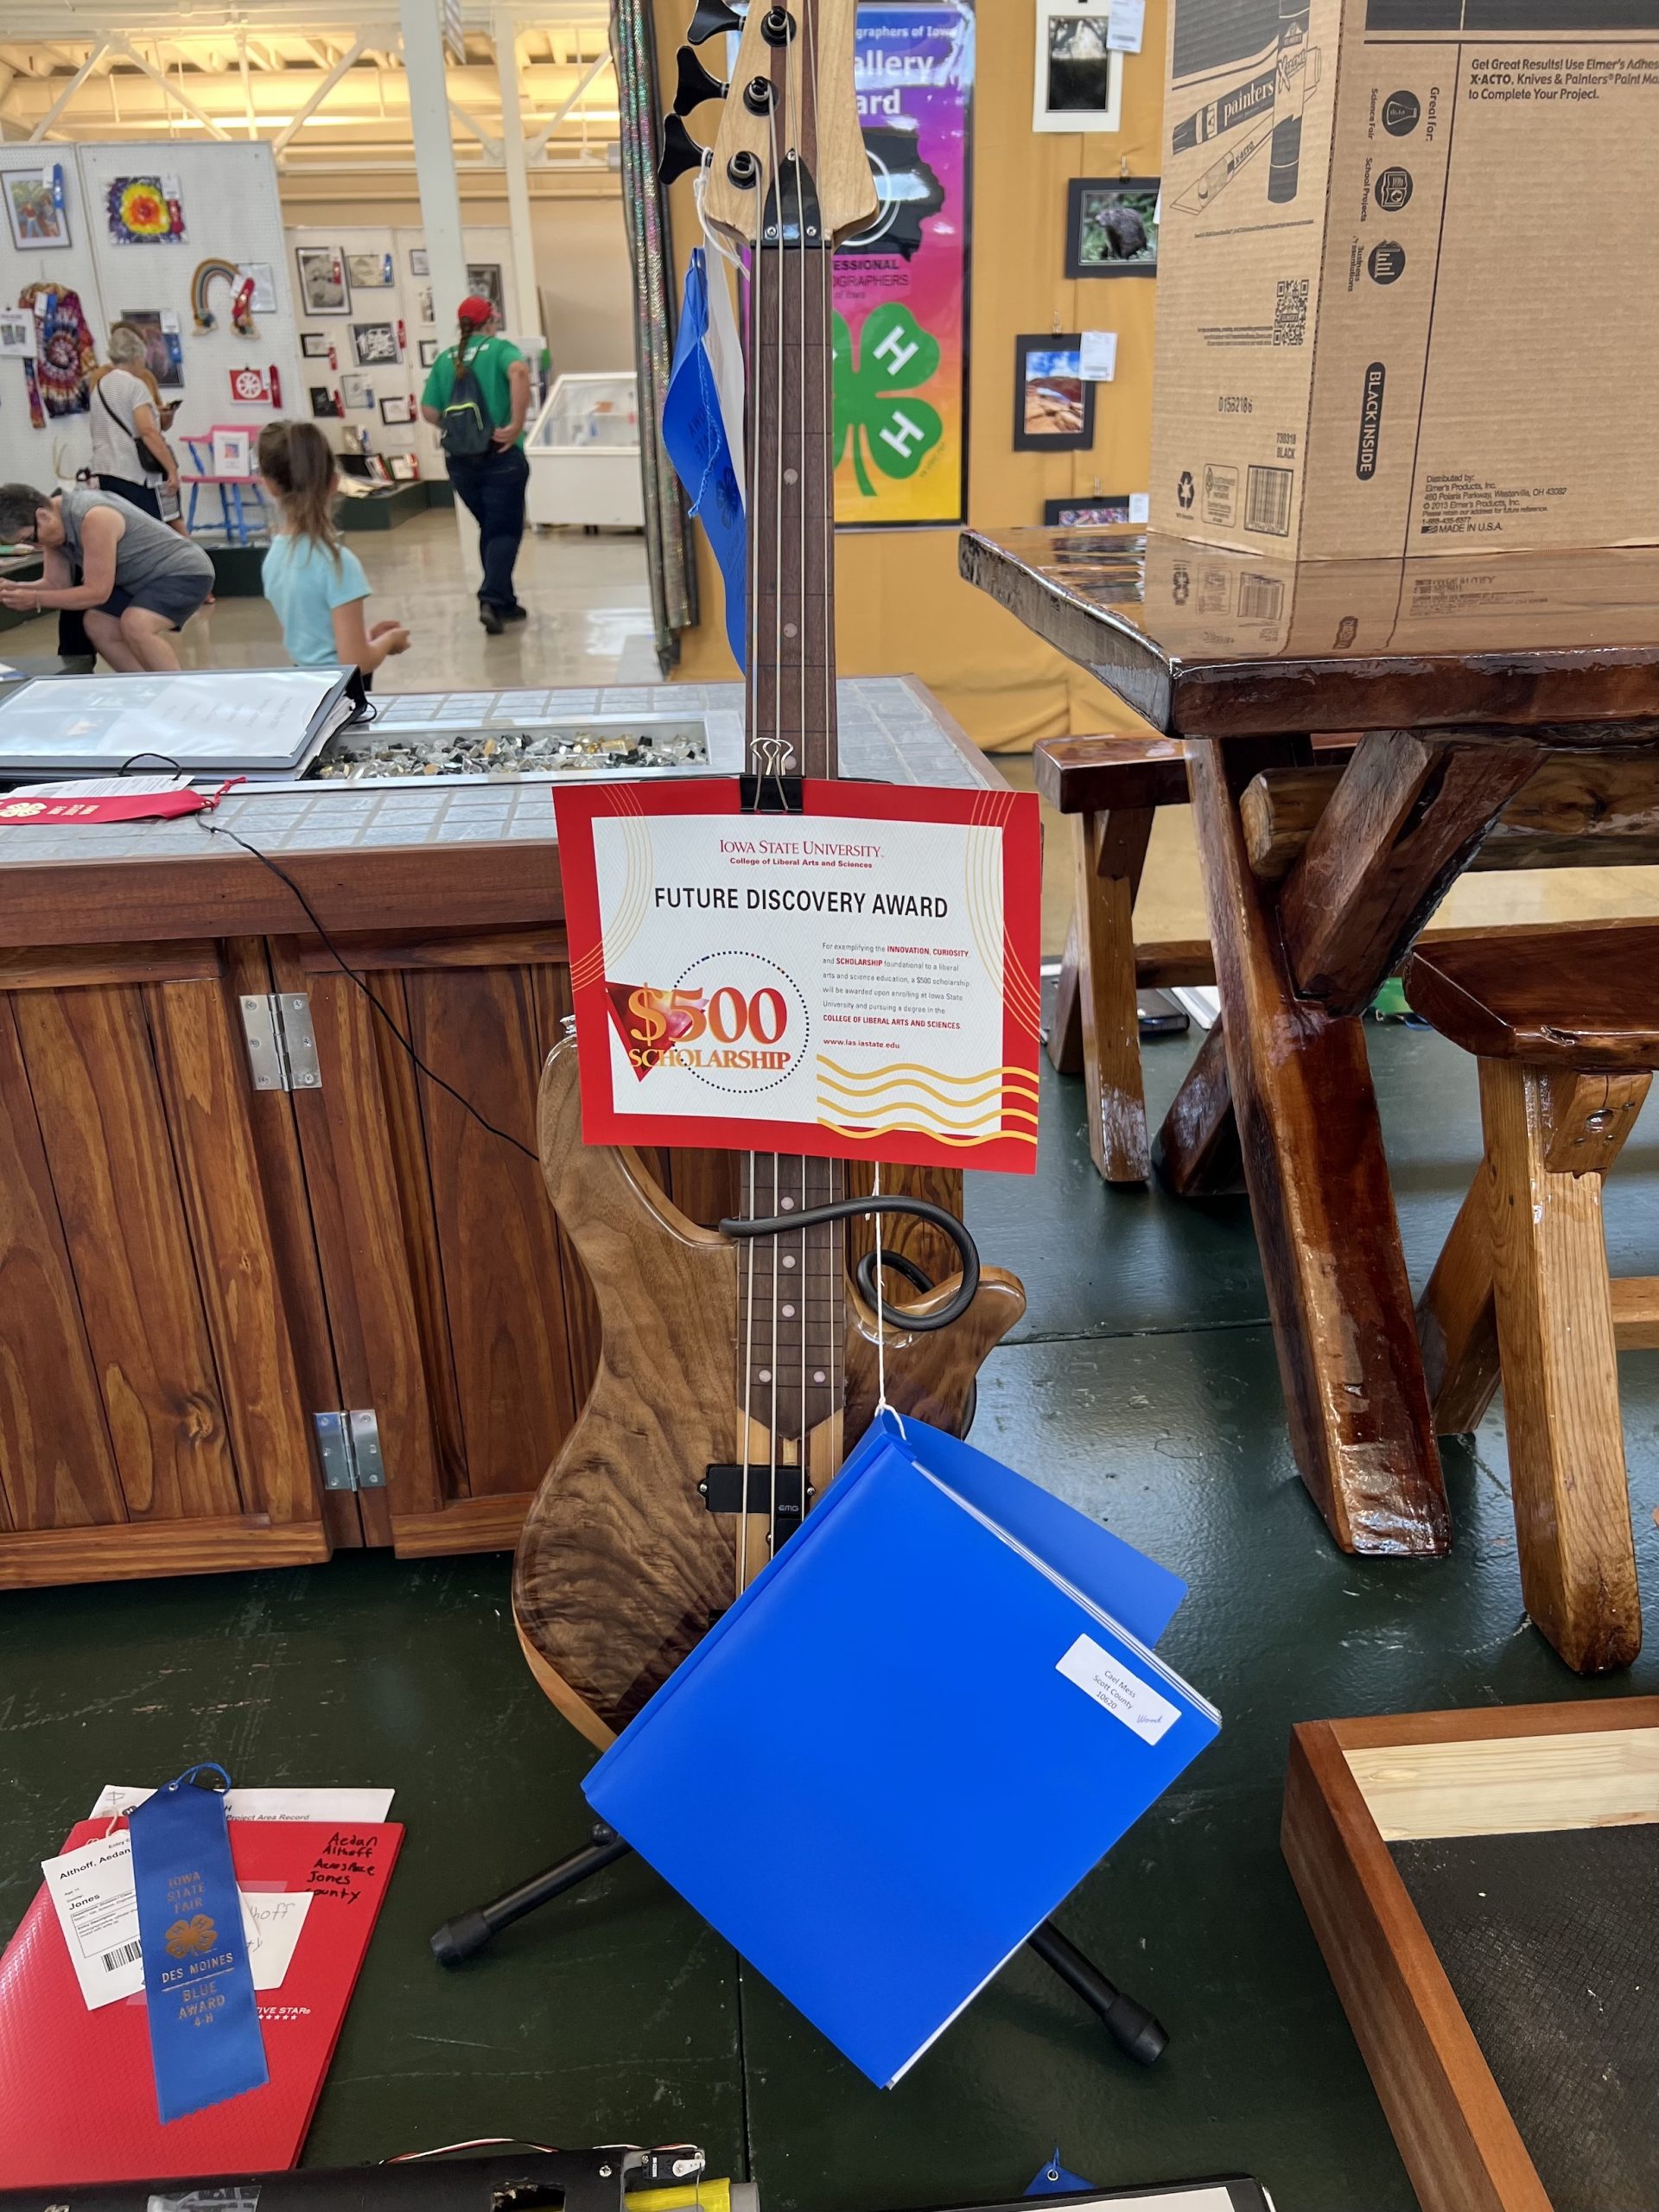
[{"x": 880, "y": 1298}]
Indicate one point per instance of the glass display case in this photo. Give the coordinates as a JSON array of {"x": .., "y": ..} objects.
[{"x": 584, "y": 453}]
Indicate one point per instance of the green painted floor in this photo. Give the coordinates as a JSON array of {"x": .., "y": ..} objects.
[{"x": 1142, "y": 1388}]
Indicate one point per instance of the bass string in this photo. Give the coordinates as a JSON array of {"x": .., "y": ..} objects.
[{"x": 779, "y": 419}]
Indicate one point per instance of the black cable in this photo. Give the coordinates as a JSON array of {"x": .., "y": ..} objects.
[
  {"x": 895, "y": 1317},
  {"x": 219, "y": 829},
  {"x": 901, "y": 1264}
]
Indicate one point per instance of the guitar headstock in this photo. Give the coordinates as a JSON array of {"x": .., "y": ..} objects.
[{"x": 789, "y": 167}]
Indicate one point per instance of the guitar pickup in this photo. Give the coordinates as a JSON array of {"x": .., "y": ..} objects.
[{"x": 721, "y": 1489}]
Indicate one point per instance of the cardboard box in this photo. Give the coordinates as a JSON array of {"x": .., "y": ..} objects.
[{"x": 1406, "y": 296}]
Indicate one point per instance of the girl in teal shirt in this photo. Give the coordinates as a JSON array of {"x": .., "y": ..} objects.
[{"x": 316, "y": 584}]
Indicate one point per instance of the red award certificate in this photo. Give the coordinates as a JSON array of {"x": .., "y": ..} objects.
[{"x": 859, "y": 980}]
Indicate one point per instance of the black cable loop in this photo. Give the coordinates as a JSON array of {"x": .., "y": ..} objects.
[{"x": 894, "y": 1317}]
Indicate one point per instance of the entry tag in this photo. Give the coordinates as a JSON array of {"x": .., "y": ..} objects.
[
  {"x": 92, "y": 1894},
  {"x": 205, "y": 2044}
]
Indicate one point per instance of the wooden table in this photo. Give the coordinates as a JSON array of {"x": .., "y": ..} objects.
[
  {"x": 193, "y": 1268},
  {"x": 1467, "y": 676}
]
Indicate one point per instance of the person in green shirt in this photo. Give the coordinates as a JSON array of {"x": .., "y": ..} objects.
[{"x": 490, "y": 485}]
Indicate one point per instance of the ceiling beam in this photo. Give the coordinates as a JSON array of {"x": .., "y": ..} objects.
[
  {"x": 119, "y": 43},
  {"x": 315, "y": 99},
  {"x": 69, "y": 91}
]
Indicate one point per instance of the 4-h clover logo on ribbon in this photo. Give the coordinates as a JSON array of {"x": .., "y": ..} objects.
[
  {"x": 186, "y": 1937},
  {"x": 897, "y": 433}
]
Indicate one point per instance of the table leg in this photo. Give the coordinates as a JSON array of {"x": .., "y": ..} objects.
[
  {"x": 1198, "y": 1146},
  {"x": 1560, "y": 1378},
  {"x": 1066, "y": 1030},
  {"x": 1401, "y": 827},
  {"x": 1110, "y": 851},
  {"x": 1324, "y": 1213}
]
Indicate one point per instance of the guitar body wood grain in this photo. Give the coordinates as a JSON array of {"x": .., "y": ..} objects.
[{"x": 621, "y": 1568}]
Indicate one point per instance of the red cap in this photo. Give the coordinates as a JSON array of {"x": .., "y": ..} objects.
[{"x": 475, "y": 312}]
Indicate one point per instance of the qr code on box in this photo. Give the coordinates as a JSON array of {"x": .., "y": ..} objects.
[{"x": 1290, "y": 312}]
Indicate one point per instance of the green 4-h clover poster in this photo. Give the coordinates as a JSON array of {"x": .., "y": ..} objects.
[{"x": 900, "y": 287}]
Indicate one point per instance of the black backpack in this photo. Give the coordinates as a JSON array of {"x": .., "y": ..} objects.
[{"x": 465, "y": 430}]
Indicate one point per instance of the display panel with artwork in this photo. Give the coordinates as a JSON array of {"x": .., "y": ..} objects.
[
  {"x": 376, "y": 344},
  {"x": 1111, "y": 226},
  {"x": 163, "y": 349},
  {"x": 324, "y": 287},
  {"x": 146, "y": 211},
  {"x": 35, "y": 210},
  {"x": 1053, "y": 404},
  {"x": 1079, "y": 79},
  {"x": 900, "y": 287}
]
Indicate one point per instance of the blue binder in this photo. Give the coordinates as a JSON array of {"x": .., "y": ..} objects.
[{"x": 912, "y": 1736}]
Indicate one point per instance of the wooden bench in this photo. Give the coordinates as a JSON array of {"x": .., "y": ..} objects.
[
  {"x": 1573, "y": 812},
  {"x": 1567, "y": 1042}
]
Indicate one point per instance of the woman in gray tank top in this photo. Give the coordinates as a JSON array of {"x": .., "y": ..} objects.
[{"x": 140, "y": 581}]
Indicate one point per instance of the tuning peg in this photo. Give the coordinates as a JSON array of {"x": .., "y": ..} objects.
[
  {"x": 696, "y": 84},
  {"x": 712, "y": 15},
  {"x": 680, "y": 153}
]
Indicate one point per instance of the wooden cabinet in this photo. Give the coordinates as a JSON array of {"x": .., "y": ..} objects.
[
  {"x": 164, "y": 1342},
  {"x": 192, "y": 1267}
]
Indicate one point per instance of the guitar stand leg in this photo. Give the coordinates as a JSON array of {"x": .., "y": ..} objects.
[
  {"x": 468, "y": 1933},
  {"x": 1129, "y": 2024}
]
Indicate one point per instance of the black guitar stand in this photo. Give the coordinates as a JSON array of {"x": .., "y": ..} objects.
[{"x": 1130, "y": 2025}]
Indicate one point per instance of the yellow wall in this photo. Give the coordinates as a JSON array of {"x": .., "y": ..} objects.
[{"x": 901, "y": 607}]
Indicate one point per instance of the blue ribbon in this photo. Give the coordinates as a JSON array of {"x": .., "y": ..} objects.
[
  {"x": 694, "y": 434},
  {"x": 205, "y": 2044},
  {"x": 1053, "y": 2180}
]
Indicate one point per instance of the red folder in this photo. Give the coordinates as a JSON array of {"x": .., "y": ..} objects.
[{"x": 77, "y": 2096}]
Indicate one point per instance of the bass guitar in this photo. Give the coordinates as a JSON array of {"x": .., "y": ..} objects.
[{"x": 738, "y": 1366}]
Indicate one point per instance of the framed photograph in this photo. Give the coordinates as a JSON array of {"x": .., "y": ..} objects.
[
  {"x": 1054, "y": 405},
  {"x": 1079, "y": 513},
  {"x": 324, "y": 404},
  {"x": 403, "y": 468},
  {"x": 376, "y": 344},
  {"x": 323, "y": 288},
  {"x": 1079, "y": 82},
  {"x": 423, "y": 304},
  {"x": 368, "y": 272},
  {"x": 418, "y": 264},
  {"x": 163, "y": 349},
  {"x": 397, "y": 407},
  {"x": 1111, "y": 226},
  {"x": 429, "y": 352},
  {"x": 356, "y": 391},
  {"x": 233, "y": 451},
  {"x": 316, "y": 345},
  {"x": 34, "y": 208},
  {"x": 483, "y": 278}
]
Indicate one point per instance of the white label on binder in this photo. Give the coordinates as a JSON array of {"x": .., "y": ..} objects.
[{"x": 1134, "y": 1702}]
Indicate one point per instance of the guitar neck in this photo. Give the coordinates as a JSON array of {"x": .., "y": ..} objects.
[
  {"x": 792, "y": 1298},
  {"x": 791, "y": 676}
]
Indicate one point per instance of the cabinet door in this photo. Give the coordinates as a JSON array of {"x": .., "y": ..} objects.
[
  {"x": 152, "y": 1420},
  {"x": 458, "y": 1313}
]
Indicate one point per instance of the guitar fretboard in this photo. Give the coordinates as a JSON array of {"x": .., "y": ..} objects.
[{"x": 791, "y": 1314}]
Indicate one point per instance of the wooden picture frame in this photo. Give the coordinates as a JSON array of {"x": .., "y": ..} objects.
[
  {"x": 1102, "y": 216},
  {"x": 1053, "y": 402},
  {"x": 324, "y": 286},
  {"x": 1355, "y": 1786}
]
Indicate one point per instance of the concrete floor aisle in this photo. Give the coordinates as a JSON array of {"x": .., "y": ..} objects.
[{"x": 1142, "y": 1388}]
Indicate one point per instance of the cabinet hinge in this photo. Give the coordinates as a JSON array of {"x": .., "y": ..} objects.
[
  {"x": 348, "y": 1444},
  {"x": 281, "y": 1043}
]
